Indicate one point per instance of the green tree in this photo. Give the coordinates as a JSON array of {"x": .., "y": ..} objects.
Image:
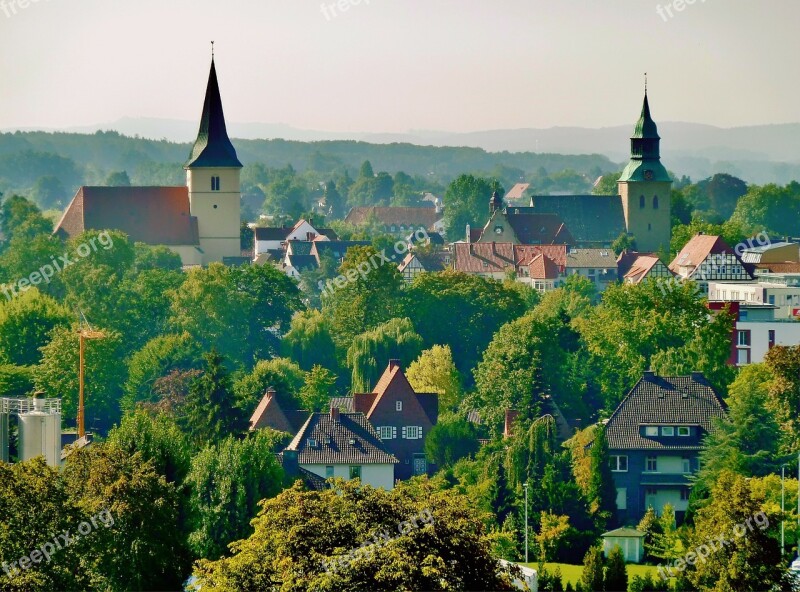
[
  {"x": 768, "y": 208},
  {"x": 466, "y": 201},
  {"x": 592, "y": 574},
  {"x": 211, "y": 413},
  {"x": 751, "y": 560},
  {"x": 449, "y": 441},
  {"x": 602, "y": 492},
  {"x": 286, "y": 377},
  {"x": 318, "y": 388},
  {"x": 21, "y": 218},
  {"x": 290, "y": 549},
  {"x": 159, "y": 356},
  {"x": 49, "y": 192},
  {"x": 309, "y": 342},
  {"x": 227, "y": 481},
  {"x": 607, "y": 185},
  {"x": 158, "y": 439},
  {"x": 138, "y": 543},
  {"x": 371, "y": 351},
  {"x": 651, "y": 526},
  {"x": 434, "y": 372},
  {"x": 25, "y": 326},
  {"x": 616, "y": 577},
  {"x": 118, "y": 179}
]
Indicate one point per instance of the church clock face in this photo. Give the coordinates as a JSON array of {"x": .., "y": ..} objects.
[{"x": 648, "y": 175}]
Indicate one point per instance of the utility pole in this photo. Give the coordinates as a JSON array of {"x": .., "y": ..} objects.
[
  {"x": 526, "y": 521},
  {"x": 783, "y": 510}
]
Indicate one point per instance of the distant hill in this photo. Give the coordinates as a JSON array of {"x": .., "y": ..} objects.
[{"x": 758, "y": 154}]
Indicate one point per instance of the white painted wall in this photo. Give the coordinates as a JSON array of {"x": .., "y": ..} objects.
[
  {"x": 786, "y": 333},
  {"x": 377, "y": 475}
]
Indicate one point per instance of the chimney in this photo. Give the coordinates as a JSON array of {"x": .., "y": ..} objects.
[
  {"x": 394, "y": 363},
  {"x": 648, "y": 374},
  {"x": 469, "y": 233},
  {"x": 334, "y": 413},
  {"x": 511, "y": 417},
  {"x": 271, "y": 392},
  {"x": 290, "y": 465},
  {"x": 698, "y": 376}
]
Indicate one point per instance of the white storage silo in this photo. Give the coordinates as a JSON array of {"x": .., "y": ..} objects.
[
  {"x": 40, "y": 434},
  {"x": 3, "y": 435}
]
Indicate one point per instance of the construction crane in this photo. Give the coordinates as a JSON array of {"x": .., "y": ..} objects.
[{"x": 85, "y": 332}]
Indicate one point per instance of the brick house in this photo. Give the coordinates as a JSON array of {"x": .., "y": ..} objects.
[{"x": 402, "y": 418}]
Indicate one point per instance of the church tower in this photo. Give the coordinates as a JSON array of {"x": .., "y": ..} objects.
[
  {"x": 212, "y": 176},
  {"x": 644, "y": 188}
]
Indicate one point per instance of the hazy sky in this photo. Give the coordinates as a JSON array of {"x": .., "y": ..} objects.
[{"x": 398, "y": 65}]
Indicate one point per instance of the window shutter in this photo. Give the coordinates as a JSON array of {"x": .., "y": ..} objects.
[
  {"x": 404, "y": 432},
  {"x": 394, "y": 432}
]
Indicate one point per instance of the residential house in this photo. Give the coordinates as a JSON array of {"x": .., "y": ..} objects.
[
  {"x": 634, "y": 268},
  {"x": 520, "y": 226},
  {"x": 271, "y": 239},
  {"x": 598, "y": 265},
  {"x": 415, "y": 263},
  {"x": 345, "y": 445},
  {"x": 654, "y": 437},
  {"x": 394, "y": 219},
  {"x": 708, "y": 258},
  {"x": 496, "y": 260},
  {"x": 785, "y": 297},
  {"x": 777, "y": 252},
  {"x": 334, "y": 249},
  {"x": 402, "y": 418}
]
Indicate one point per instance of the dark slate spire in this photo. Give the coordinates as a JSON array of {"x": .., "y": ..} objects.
[
  {"x": 212, "y": 148},
  {"x": 645, "y": 163}
]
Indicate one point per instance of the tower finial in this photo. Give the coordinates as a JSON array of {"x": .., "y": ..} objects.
[
  {"x": 645, "y": 81},
  {"x": 212, "y": 51}
]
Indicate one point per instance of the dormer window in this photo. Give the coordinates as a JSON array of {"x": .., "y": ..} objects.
[
  {"x": 651, "y": 430},
  {"x": 683, "y": 431},
  {"x": 214, "y": 183},
  {"x": 667, "y": 431}
]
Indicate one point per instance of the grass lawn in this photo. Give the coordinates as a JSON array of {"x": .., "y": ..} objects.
[{"x": 572, "y": 573}]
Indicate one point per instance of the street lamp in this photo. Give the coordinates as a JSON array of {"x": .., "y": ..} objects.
[
  {"x": 525, "y": 486},
  {"x": 783, "y": 509}
]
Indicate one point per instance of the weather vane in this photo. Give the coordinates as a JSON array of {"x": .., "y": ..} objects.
[
  {"x": 645, "y": 79},
  {"x": 212, "y": 50}
]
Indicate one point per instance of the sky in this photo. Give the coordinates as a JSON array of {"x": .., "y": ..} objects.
[{"x": 401, "y": 65}]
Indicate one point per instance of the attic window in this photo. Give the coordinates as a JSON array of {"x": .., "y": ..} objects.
[
  {"x": 326, "y": 440},
  {"x": 683, "y": 430},
  {"x": 398, "y": 406},
  {"x": 353, "y": 441},
  {"x": 312, "y": 443},
  {"x": 651, "y": 430}
]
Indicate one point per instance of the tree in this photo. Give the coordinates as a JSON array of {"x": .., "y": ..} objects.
[
  {"x": 25, "y": 326},
  {"x": 34, "y": 503},
  {"x": 751, "y": 559},
  {"x": 309, "y": 342},
  {"x": 141, "y": 544},
  {"x": 488, "y": 304},
  {"x": 227, "y": 481},
  {"x": 371, "y": 351},
  {"x": 211, "y": 413},
  {"x": 21, "y": 218},
  {"x": 159, "y": 356},
  {"x": 466, "y": 201},
  {"x": 602, "y": 492},
  {"x": 449, "y": 441},
  {"x": 616, "y": 578},
  {"x": 241, "y": 311},
  {"x": 768, "y": 208},
  {"x": 282, "y": 374},
  {"x": 551, "y": 529},
  {"x": 651, "y": 526},
  {"x": 434, "y": 372},
  {"x": 607, "y": 184},
  {"x": 624, "y": 242},
  {"x": 158, "y": 439},
  {"x": 355, "y": 537},
  {"x": 319, "y": 387},
  {"x": 49, "y": 192},
  {"x": 370, "y": 295},
  {"x": 592, "y": 575},
  {"x": 118, "y": 179}
]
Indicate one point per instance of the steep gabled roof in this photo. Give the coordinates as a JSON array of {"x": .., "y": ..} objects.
[
  {"x": 698, "y": 249},
  {"x": 539, "y": 229},
  {"x": 392, "y": 383},
  {"x": 664, "y": 400},
  {"x": 270, "y": 414},
  {"x": 641, "y": 267},
  {"x": 212, "y": 148},
  {"x": 302, "y": 262},
  {"x": 332, "y": 439},
  {"x": 151, "y": 215},
  {"x": 543, "y": 268}
]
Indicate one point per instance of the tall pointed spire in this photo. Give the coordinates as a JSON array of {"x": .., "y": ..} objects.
[
  {"x": 212, "y": 148},
  {"x": 645, "y": 162}
]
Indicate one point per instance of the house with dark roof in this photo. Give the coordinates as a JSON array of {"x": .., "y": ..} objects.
[
  {"x": 401, "y": 416},
  {"x": 524, "y": 228},
  {"x": 395, "y": 220},
  {"x": 199, "y": 222},
  {"x": 654, "y": 438},
  {"x": 344, "y": 445},
  {"x": 268, "y": 239},
  {"x": 270, "y": 414},
  {"x": 335, "y": 249}
]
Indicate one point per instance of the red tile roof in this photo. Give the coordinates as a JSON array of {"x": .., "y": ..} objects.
[
  {"x": 151, "y": 215},
  {"x": 498, "y": 257},
  {"x": 641, "y": 267},
  {"x": 543, "y": 268},
  {"x": 517, "y": 191},
  {"x": 697, "y": 250}
]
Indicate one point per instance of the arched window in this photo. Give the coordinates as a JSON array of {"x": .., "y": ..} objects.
[
  {"x": 641, "y": 201},
  {"x": 655, "y": 202}
]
